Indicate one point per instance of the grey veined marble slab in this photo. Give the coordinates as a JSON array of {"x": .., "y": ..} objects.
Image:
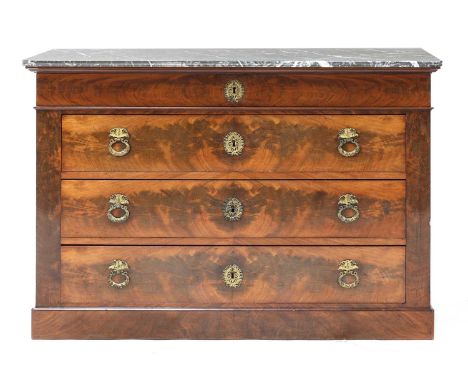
[{"x": 236, "y": 58}]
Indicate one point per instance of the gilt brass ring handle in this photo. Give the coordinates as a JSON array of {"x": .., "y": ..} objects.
[
  {"x": 233, "y": 143},
  {"x": 348, "y": 271},
  {"x": 118, "y": 268},
  {"x": 119, "y": 135},
  {"x": 233, "y": 276},
  {"x": 118, "y": 202},
  {"x": 233, "y": 209},
  {"x": 234, "y": 91},
  {"x": 348, "y": 136},
  {"x": 348, "y": 202}
]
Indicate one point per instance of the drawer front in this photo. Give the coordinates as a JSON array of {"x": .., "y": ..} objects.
[
  {"x": 194, "y": 88},
  {"x": 230, "y": 209},
  {"x": 204, "y": 276},
  {"x": 244, "y": 143}
]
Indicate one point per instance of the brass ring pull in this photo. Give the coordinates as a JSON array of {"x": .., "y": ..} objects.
[
  {"x": 233, "y": 276},
  {"x": 346, "y": 136},
  {"x": 233, "y": 209},
  {"x": 348, "y": 269},
  {"x": 118, "y": 268},
  {"x": 119, "y": 135},
  {"x": 348, "y": 202},
  {"x": 118, "y": 202},
  {"x": 233, "y": 143},
  {"x": 234, "y": 91}
]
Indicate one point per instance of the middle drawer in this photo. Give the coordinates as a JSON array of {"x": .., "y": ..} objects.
[{"x": 233, "y": 209}]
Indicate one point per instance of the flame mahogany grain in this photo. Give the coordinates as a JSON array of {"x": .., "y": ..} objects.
[
  {"x": 192, "y": 276},
  {"x": 272, "y": 143},
  {"x": 272, "y": 208},
  {"x": 345, "y": 89},
  {"x": 297, "y": 324}
]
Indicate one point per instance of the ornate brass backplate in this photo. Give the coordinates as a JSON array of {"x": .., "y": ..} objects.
[
  {"x": 233, "y": 143},
  {"x": 233, "y": 276},
  {"x": 118, "y": 267},
  {"x": 348, "y": 268},
  {"x": 119, "y": 135},
  {"x": 116, "y": 202},
  {"x": 234, "y": 91},
  {"x": 233, "y": 209},
  {"x": 348, "y": 202},
  {"x": 348, "y": 135}
]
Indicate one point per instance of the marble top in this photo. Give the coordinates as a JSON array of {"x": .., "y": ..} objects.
[{"x": 236, "y": 58}]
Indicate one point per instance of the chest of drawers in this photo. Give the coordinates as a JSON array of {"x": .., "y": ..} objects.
[{"x": 231, "y": 194}]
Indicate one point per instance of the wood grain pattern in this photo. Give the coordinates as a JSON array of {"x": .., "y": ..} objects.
[
  {"x": 48, "y": 208},
  {"x": 272, "y": 143},
  {"x": 239, "y": 110},
  {"x": 262, "y": 89},
  {"x": 231, "y": 175},
  {"x": 233, "y": 241},
  {"x": 271, "y": 209},
  {"x": 232, "y": 324},
  {"x": 418, "y": 209},
  {"x": 192, "y": 276}
]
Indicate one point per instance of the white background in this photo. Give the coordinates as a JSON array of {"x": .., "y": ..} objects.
[{"x": 28, "y": 28}]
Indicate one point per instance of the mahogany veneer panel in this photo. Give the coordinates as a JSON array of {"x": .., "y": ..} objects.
[
  {"x": 272, "y": 143},
  {"x": 231, "y": 175},
  {"x": 271, "y": 208},
  {"x": 200, "y": 88},
  {"x": 341, "y": 241},
  {"x": 192, "y": 276},
  {"x": 48, "y": 208},
  {"x": 418, "y": 208},
  {"x": 233, "y": 324}
]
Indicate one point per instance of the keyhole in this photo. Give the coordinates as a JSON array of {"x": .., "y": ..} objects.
[
  {"x": 233, "y": 209},
  {"x": 234, "y": 90},
  {"x": 233, "y": 142},
  {"x": 232, "y": 274}
]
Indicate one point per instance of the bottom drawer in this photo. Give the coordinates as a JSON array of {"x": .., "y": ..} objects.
[{"x": 223, "y": 276}]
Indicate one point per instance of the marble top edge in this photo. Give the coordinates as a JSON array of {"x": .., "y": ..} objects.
[{"x": 236, "y": 58}]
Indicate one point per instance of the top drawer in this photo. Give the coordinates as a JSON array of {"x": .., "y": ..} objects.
[{"x": 200, "y": 88}]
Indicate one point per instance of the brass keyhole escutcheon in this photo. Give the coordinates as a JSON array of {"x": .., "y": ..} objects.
[
  {"x": 234, "y": 91},
  {"x": 233, "y": 209},
  {"x": 233, "y": 143},
  {"x": 233, "y": 276}
]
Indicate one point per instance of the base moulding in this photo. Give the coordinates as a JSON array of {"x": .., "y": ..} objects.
[{"x": 292, "y": 324}]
